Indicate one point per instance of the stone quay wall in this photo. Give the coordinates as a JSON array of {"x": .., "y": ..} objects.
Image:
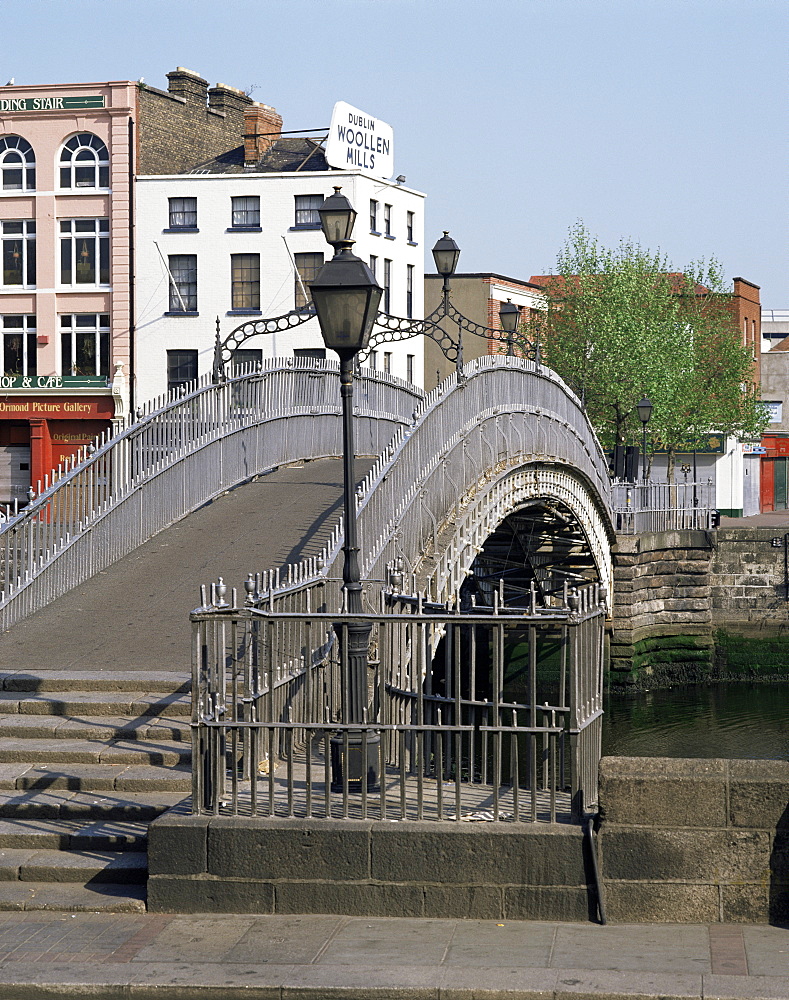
[
  {"x": 480, "y": 871},
  {"x": 662, "y": 617},
  {"x": 690, "y": 605},
  {"x": 694, "y": 841}
]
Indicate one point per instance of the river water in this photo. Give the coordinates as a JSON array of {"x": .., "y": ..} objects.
[{"x": 700, "y": 720}]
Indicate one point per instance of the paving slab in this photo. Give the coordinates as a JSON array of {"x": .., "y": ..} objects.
[
  {"x": 767, "y": 949},
  {"x": 500, "y": 943},
  {"x": 750, "y": 988},
  {"x": 654, "y": 947},
  {"x": 580, "y": 984}
]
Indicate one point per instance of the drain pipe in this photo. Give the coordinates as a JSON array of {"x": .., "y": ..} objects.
[{"x": 589, "y": 836}]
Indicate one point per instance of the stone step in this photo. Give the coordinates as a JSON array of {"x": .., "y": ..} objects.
[
  {"x": 96, "y": 703},
  {"x": 56, "y": 727},
  {"x": 138, "y": 807},
  {"x": 95, "y": 680},
  {"x": 96, "y": 777},
  {"x": 115, "y": 867},
  {"x": 65, "y": 751},
  {"x": 72, "y": 835},
  {"x": 97, "y": 897}
]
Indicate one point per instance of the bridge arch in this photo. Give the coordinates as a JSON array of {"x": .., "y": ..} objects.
[{"x": 506, "y": 436}]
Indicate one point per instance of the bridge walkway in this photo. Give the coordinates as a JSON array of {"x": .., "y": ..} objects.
[
  {"x": 94, "y": 693},
  {"x": 134, "y": 615}
]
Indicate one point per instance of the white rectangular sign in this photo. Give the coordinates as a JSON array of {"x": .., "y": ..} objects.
[{"x": 357, "y": 141}]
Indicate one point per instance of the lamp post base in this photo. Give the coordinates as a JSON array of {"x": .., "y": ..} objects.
[{"x": 355, "y": 759}]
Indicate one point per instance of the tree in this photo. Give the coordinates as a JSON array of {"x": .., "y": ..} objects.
[{"x": 622, "y": 324}]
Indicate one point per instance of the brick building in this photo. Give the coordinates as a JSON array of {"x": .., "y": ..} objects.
[
  {"x": 479, "y": 297},
  {"x": 69, "y": 154}
]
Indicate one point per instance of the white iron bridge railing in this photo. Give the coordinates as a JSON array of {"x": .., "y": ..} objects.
[
  {"x": 508, "y": 431},
  {"x": 650, "y": 506},
  {"x": 177, "y": 454}
]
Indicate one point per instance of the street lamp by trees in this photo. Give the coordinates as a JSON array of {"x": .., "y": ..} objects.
[{"x": 623, "y": 322}]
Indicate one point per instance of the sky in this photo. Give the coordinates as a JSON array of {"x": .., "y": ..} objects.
[{"x": 660, "y": 121}]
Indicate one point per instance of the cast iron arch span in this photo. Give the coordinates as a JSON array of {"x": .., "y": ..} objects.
[
  {"x": 510, "y": 434},
  {"x": 549, "y": 512}
]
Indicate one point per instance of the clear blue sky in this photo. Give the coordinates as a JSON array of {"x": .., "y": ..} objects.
[{"x": 660, "y": 120}]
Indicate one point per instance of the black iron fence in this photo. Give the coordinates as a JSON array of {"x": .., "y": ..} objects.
[{"x": 472, "y": 716}]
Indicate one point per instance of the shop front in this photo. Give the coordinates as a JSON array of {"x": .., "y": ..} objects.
[
  {"x": 775, "y": 460},
  {"x": 43, "y": 422}
]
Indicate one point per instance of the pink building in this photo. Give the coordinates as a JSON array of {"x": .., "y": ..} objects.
[
  {"x": 66, "y": 155},
  {"x": 69, "y": 154}
]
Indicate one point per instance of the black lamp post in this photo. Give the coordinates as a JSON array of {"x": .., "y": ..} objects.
[
  {"x": 644, "y": 413},
  {"x": 346, "y": 296},
  {"x": 509, "y": 314}
]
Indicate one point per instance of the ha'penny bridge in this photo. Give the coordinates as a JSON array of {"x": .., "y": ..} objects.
[{"x": 485, "y": 524}]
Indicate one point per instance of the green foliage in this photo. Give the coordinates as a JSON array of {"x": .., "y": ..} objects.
[{"x": 623, "y": 323}]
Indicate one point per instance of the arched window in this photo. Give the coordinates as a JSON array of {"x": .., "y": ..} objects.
[
  {"x": 17, "y": 164},
  {"x": 84, "y": 162}
]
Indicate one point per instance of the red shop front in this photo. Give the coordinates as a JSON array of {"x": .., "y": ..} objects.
[
  {"x": 775, "y": 466},
  {"x": 39, "y": 432}
]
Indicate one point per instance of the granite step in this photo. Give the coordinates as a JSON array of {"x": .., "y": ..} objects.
[
  {"x": 79, "y": 777},
  {"x": 86, "y": 727},
  {"x": 87, "y": 760},
  {"x": 163, "y": 682},
  {"x": 138, "y": 807},
  {"x": 138, "y": 703},
  {"x": 43, "y": 751},
  {"x": 97, "y": 897},
  {"x": 30, "y": 865},
  {"x": 73, "y": 835}
]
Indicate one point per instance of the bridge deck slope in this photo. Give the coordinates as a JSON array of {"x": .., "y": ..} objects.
[{"x": 135, "y": 614}]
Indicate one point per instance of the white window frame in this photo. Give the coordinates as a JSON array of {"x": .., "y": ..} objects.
[
  {"x": 69, "y": 327},
  {"x": 25, "y": 242},
  {"x": 78, "y": 236},
  {"x": 27, "y": 331},
  {"x": 13, "y": 149},
  {"x": 75, "y": 154}
]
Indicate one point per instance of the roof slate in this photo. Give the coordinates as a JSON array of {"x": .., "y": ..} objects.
[{"x": 284, "y": 156}]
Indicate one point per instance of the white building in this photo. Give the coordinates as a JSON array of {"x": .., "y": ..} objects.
[{"x": 239, "y": 238}]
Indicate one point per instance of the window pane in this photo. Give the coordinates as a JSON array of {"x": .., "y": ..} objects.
[
  {"x": 86, "y": 260},
  {"x": 246, "y": 211},
  {"x": 183, "y": 213},
  {"x": 31, "y": 355},
  {"x": 307, "y": 206},
  {"x": 183, "y": 287},
  {"x": 181, "y": 368},
  {"x": 12, "y": 179},
  {"x": 307, "y": 266},
  {"x": 12, "y": 262},
  {"x": 12, "y": 354},
  {"x": 245, "y": 268},
  {"x": 31, "y": 262},
  {"x": 65, "y": 262}
]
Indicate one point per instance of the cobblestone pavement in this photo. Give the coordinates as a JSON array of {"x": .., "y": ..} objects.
[{"x": 170, "y": 957}]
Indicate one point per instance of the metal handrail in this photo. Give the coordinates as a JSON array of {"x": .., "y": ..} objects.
[{"x": 175, "y": 455}]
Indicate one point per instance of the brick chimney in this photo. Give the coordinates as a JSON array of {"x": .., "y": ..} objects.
[
  {"x": 188, "y": 85},
  {"x": 262, "y": 128},
  {"x": 229, "y": 100}
]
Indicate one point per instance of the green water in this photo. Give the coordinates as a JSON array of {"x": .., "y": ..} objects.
[{"x": 740, "y": 720}]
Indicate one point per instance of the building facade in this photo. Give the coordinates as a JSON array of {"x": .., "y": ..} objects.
[
  {"x": 479, "y": 297},
  {"x": 238, "y": 238},
  {"x": 68, "y": 157}
]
